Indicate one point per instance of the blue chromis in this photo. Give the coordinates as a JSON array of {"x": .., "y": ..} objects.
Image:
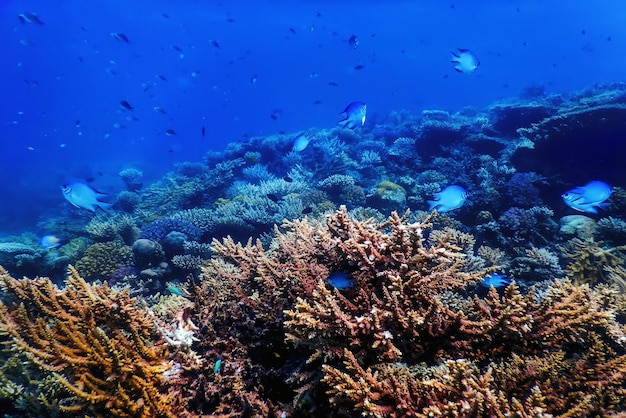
[
  {"x": 589, "y": 197},
  {"x": 495, "y": 280},
  {"x": 354, "y": 115},
  {"x": 49, "y": 241},
  {"x": 452, "y": 197},
  {"x": 300, "y": 142},
  {"x": 465, "y": 60},
  {"x": 339, "y": 280},
  {"x": 83, "y": 196}
]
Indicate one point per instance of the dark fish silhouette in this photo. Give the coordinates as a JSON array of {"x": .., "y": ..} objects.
[
  {"x": 272, "y": 197},
  {"x": 25, "y": 18},
  {"x": 120, "y": 37},
  {"x": 170, "y": 132},
  {"x": 126, "y": 105},
  {"x": 203, "y": 131}
]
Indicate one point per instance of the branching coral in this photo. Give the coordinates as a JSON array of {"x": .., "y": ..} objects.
[{"x": 97, "y": 343}]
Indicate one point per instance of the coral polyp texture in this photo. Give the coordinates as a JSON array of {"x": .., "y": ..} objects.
[{"x": 268, "y": 330}]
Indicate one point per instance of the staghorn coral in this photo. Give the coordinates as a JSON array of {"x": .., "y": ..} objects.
[
  {"x": 97, "y": 343},
  {"x": 588, "y": 260}
]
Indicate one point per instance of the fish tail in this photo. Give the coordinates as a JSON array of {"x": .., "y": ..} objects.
[
  {"x": 432, "y": 204},
  {"x": 104, "y": 205}
]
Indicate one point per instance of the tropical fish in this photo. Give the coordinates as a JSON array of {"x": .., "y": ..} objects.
[
  {"x": 272, "y": 197},
  {"x": 339, "y": 280},
  {"x": 355, "y": 115},
  {"x": 495, "y": 280},
  {"x": 300, "y": 142},
  {"x": 465, "y": 60},
  {"x": 218, "y": 365},
  {"x": 49, "y": 241},
  {"x": 452, "y": 197},
  {"x": 126, "y": 105},
  {"x": 353, "y": 42},
  {"x": 170, "y": 132},
  {"x": 174, "y": 290},
  {"x": 203, "y": 131},
  {"x": 25, "y": 18},
  {"x": 588, "y": 197},
  {"x": 83, "y": 196},
  {"x": 120, "y": 37}
]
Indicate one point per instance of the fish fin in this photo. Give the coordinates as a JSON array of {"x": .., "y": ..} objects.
[
  {"x": 104, "y": 205},
  {"x": 463, "y": 51},
  {"x": 604, "y": 205},
  {"x": 455, "y": 55},
  {"x": 432, "y": 204},
  {"x": 458, "y": 70}
]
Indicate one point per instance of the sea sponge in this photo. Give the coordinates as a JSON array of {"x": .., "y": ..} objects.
[{"x": 103, "y": 259}]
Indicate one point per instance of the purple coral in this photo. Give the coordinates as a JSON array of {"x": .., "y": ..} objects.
[
  {"x": 528, "y": 226},
  {"x": 522, "y": 191},
  {"x": 158, "y": 230}
]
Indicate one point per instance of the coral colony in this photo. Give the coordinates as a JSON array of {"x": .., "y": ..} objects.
[{"x": 278, "y": 279}]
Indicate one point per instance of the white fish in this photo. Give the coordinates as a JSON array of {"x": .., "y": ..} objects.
[
  {"x": 301, "y": 142},
  {"x": 83, "y": 196},
  {"x": 588, "y": 197},
  {"x": 466, "y": 61},
  {"x": 452, "y": 197}
]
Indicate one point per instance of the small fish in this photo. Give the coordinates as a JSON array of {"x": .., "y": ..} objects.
[
  {"x": 83, "y": 196},
  {"x": 49, "y": 241},
  {"x": 126, "y": 105},
  {"x": 120, "y": 37},
  {"x": 288, "y": 179},
  {"x": 203, "y": 131},
  {"x": 495, "y": 280},
  {"x": 339, "y": 280},
  {"x": 589, "y": 197},
  {"x": 253, "y": 79},
  {"x": 300, "y": 142},
  {"x": 215, "y": 44},
  {"x": 162, "y": 77},
  {"x": 307, "y": 210},
  {"x": 174, "y": 290},
  {"x": 359, "y": 67},
  {"x": 272, "y": 197},
  {"x": 452, "y": 197},
  {"x": 170, "y": 132},
  {"x": 25, "y": 18},
  {"x": 218, "y": 365},
  {"x": 333, "y": 84},
  {"x": 354, "y": 115},
  {"x": 353, "y": 42},
  {"x": 160, "y": 110},
  {"x": 465, "y": 60}
]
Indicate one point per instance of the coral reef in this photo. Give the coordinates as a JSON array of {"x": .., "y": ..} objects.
[
  {"x": 102, "y": 259},
  {"x": 99, "y": 345}
]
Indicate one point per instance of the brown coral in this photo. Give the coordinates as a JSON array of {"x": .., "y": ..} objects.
[{"x": 97, "y": 342}]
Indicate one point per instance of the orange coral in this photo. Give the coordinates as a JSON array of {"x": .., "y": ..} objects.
[{"x": 97, "y": 342}]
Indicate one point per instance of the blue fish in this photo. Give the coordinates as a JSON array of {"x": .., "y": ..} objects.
[
  {"x": 174, "y": 290},
  {"x": 218, "y": 365},
  {"x": 83, "y": 196},
  {"x": 341, "y": 281},
  {"x": 588, "y": 197},
  {"x": 301, "y": 142},
  {"x": 495, "y": 280},
  {"x": 465, "y": 60},
  {"x": 49, "y": 241},
  {"x": 452, "y": 197},
  {"x": 354, "y": 115}
]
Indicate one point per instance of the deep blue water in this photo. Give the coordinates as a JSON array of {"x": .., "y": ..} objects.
[{"x": 258, "y": 68}]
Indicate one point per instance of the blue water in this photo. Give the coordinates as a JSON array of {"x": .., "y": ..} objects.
[{"x": 257, "y": 68}]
